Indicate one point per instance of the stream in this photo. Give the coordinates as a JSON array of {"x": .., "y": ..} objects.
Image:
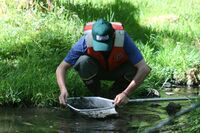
[{"x": 132, "y": 118}]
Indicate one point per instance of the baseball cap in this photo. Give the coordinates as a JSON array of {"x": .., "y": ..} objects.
[{"x": 102, "y": 33}]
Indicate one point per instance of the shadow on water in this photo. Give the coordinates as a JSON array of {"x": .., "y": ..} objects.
[{"x": 132, "y": 118}]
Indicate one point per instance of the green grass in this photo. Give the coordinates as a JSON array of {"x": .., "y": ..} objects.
[{"x": 34, "y": 41}]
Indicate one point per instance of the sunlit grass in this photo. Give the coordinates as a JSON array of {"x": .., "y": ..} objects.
[{"x": 34, "y": 41}]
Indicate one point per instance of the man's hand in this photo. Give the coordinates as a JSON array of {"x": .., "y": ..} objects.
[
  {"x": 121, "y": 99},
  {"x": 63, "y": 97}
]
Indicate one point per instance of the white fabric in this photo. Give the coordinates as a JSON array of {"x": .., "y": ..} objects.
[
  {"x": 88, "y": 38},
  {"x": 119, "y": 38}
]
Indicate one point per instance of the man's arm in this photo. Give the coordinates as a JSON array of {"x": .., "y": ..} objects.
[
  {"x": 142, "y": 71},
  {"x": 60, "y": 75}
]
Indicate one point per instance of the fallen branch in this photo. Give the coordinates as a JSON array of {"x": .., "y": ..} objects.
[{"x": 170, "y": 119}]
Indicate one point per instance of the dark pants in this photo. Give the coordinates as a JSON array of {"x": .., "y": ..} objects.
[{"x": 92, "y": 73}]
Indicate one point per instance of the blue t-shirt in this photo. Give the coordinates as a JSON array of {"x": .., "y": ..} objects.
[{"x": 80, "y": 48}]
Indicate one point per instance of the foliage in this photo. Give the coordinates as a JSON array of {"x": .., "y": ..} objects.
[
  {"x": 34, "y": 40},
  {"x": 194, "y": 121},
  {"x": 195, "y": 127}
]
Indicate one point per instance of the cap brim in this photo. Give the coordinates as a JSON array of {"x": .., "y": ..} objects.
[{"x": 102, "y": 46}]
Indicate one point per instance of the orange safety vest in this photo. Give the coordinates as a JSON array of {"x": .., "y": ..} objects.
[{"x": 117, "y": 55}]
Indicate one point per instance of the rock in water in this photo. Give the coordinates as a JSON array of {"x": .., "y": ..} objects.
[{"x": 172, "y": 108}]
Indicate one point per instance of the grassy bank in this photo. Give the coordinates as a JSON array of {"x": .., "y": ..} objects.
[{"x": 34, "y": 40}]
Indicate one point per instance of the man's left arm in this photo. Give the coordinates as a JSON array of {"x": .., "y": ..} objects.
[
  {"x": 136, "y": 58},
  {"x": 142, "y": 71}
]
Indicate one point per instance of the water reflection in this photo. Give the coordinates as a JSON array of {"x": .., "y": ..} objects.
[
  {"x": 59, "y": 120},
  {"x": 182, "y": 91},
  {"x": 132, "y": 118}
]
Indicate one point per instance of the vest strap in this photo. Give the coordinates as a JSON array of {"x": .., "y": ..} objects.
[
  {"x": 119, "y": 38},
  {"x": 88, "y": 38}
]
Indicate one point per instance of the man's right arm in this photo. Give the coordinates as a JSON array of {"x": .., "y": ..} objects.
[
  {"x": 73, "y": 54},
  {"x": 60, "y": 75}
]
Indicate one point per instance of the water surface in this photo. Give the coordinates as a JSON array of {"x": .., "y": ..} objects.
[{"x": 132, "y": 118}]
